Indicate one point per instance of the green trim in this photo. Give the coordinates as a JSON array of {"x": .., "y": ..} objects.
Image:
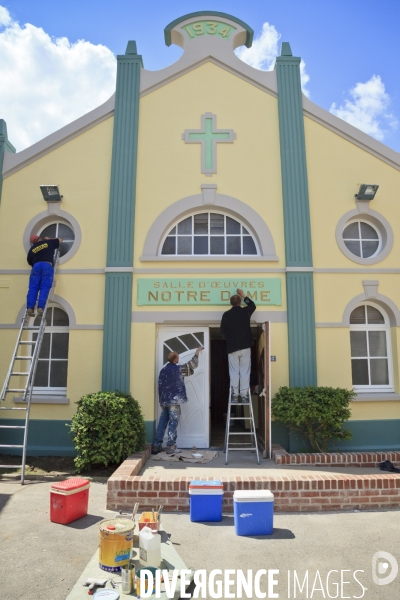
[
  {"x": 301, "y": 329},
  {"x": 296, "y": 212},
  {"x": 124, "y": 160},
  {"x": 49, "y": 437},
  {"x": 117, "y": 332},
  {"x": 368, "y": 436},
  {"x": 5, "y": 146},
  {"x": 121, "y": 223},
  {"x": 212, "y": 13},
  {"x": 45, "y": 437},
  {"x": 296, "y": 209},
  {"x": 150, "y": 431}
]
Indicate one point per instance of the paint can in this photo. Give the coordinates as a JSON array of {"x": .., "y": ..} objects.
[
  {"x": 128, "y": 578},
  {"x": 116, "y": 541}
]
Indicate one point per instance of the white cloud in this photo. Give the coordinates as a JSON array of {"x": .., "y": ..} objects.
[
  {"x": 264, "y": 51},
  {"x": 5, "y": 18},
  {"x": 367, "y": 108},
  {"x": 47, "y": 83}
]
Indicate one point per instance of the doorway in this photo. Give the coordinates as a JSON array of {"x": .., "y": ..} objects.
[
  {"x": 203, "y": 418},
  {"x": 219, "y": 386}
]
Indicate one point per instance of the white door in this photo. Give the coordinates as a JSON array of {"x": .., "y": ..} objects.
[{"x": 193, "y": 428}]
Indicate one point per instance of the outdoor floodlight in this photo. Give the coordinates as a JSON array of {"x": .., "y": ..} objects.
[
  {"x": 51, "y": 193},
  {"x": 367, "y": 191}
]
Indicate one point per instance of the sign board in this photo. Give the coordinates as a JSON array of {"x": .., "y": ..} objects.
[{"x": 206, "y": 292}]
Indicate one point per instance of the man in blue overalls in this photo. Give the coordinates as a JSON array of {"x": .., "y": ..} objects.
[
  {"x": 172, "y": 393},
  {"x": 40, "y": 257}
]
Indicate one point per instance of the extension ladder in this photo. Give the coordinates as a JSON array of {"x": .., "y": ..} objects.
[
  {"x": 252, "y": 432},
  {"x": 29, "y": 373}
]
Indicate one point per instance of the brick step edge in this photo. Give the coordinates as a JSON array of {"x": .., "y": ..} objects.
[
  {"x": 309, "y": 493},
  {"x": 334, "y": 459}
]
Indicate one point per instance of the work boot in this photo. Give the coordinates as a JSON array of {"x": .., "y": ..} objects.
[
  {"x": 40, "y": 312},
  {"x": 30, "y": 312},
  {"x": 173, "y": 450},
  {"x": 234, "y": 399},
  {"x": 156, "y": 449}
]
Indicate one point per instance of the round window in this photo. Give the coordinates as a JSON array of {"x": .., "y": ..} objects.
[
  {"x": 60, "y": 230},
  {"x": 362, "y": 239}
]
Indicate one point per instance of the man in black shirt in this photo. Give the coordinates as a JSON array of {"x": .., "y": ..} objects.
[
  {"x": 40, "y": 257},
  {"x": 235, "y": 328}
]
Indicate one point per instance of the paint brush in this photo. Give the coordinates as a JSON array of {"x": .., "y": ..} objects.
[
  {"x": 153, "y": 516},
  {"x": 135, "y": 509},
  {"x": 160, "y": 509}
]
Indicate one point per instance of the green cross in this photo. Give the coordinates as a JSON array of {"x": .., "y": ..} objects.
[{"x": 208, "y": 136}]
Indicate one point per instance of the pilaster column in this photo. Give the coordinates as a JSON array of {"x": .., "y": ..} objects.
[
  {"x": 118, "y": 293},
  {"x": 299, "y": 282}
]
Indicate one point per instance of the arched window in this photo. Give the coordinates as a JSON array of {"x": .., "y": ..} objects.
[
  {"x": 371, "y": 362},
  {"x": 51, "y": 372},
  {"x": 209, "y": 233}
]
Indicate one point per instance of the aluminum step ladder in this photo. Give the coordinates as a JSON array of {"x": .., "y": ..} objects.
[
  {"x": 19, "y": 356},
  {"x": 252, "y": 443}
]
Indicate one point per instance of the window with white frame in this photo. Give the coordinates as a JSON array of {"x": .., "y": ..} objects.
[
  {"x": 63, "y": 231},
  {"x": 209, "y": 233},
  {"x": 362, "y": 239},
  {"x": 52, "y": 368},
  {"x": 371, "y": 363}
]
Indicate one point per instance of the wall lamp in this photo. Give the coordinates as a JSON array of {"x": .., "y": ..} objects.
[
  {"x": 367, "y": 191},
  {"x": 51, "y": 193}
]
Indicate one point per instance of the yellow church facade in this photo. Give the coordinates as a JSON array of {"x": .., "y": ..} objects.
[{"x": 188, "y": 183}]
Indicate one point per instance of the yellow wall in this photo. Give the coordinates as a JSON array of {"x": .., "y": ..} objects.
[
  {"x": 169, "y": 170},
  {"x": 82, "y": 168},
  {"x": 248, "y": 168},
  {"x": 336, "y": 168},
  {"x": 143, "y": 366}
]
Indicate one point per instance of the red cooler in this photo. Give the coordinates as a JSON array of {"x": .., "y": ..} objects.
[{"x": 69, "y": 500}]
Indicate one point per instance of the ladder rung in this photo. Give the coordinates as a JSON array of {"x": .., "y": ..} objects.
[
  {"x": 15, "y": 390},
  {"x": 31, "y": 328},
  {"x": 19, "y": 373},
  {"x": 12, "y": 426},
  {"x": 241, "y": 433},
  {"x": 241, "y": 449},
  {"x": 23, "y": 358},
  {"x": 10, "y": 446},
  {"x": 240, "y": 419},
  {"x": 12, "y": 408},
  {"x": 30, "y": 343},
  {"x": 10, "y": 466}
]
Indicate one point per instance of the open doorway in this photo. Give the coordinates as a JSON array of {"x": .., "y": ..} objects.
[{"x": 219, "y": 386}]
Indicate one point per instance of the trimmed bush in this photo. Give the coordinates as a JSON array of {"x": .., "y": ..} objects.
[
  {"x": 318, "y": 413},
  {"x": 107, "y": 427}
]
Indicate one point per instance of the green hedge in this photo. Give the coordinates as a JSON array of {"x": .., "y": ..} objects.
[
  {"x": 318, "y": 413},
  {"x": 107, "y": 427}
]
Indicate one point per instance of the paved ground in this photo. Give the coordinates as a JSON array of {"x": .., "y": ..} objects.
[
  {"x": 243, "y": 463},
  {"x": 41, "y": 560}
]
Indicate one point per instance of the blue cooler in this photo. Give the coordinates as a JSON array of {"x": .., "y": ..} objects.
[
  {"x": 206, "y": 500},
  {"x": 253, "y": 512}
]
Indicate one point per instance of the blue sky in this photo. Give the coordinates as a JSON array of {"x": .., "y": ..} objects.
[{"x": 350, "y": 49}]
